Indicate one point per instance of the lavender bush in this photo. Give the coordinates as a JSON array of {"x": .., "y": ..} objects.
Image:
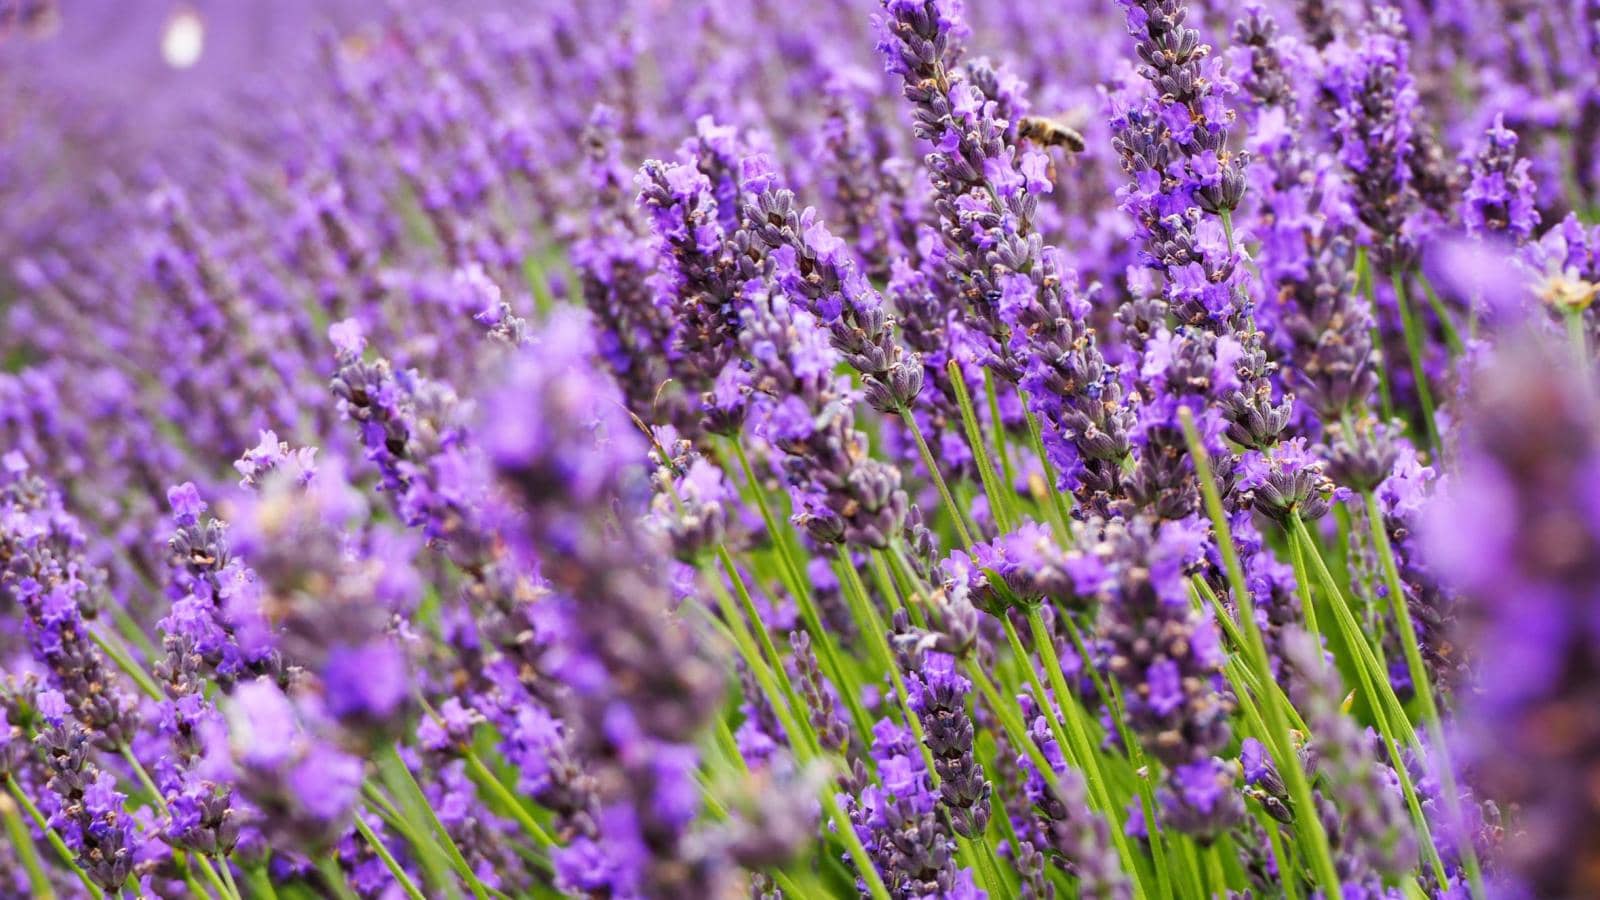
[{"x": 891, "y": 449}]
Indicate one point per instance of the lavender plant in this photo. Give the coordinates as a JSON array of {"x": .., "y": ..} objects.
[{"x": 939, "y": 448}]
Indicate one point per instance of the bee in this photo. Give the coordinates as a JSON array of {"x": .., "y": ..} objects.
[{"x": 1051, "y": 131}]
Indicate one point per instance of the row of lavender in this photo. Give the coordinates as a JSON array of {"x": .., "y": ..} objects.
[{"x": 642, "y": 450}]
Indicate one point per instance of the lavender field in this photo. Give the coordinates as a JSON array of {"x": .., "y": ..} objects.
[{"x": 1137, "y": 450}]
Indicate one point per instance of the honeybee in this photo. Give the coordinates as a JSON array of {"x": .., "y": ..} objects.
[{"x": 1051, "y": 131}]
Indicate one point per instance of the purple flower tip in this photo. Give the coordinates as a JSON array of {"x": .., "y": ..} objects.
[
  {"x": 348, "y": 338},
  {"x": 186, "y": 503}
]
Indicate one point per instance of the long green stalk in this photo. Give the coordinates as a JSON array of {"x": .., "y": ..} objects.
[
  {"x": 1365, "y": 284},
  {"x": 486, "y": 779},
  {"x": 1066, "y": 700},
  {"x": 395, "y": 869},
  {"x": 822, "y": 638},
  {"x": 804, "y": 748},
  {"x": 1384, "y": 720},
  {"x": 1074, "y": 746},
  {"x": 429, "y": 856},
  {"x": 328, "y": 867},
  {"x": 1058, "y": 503},
  {"x": 261, "y": 883},
  {"x": 1420, "y": 678},
  {"x": 1419, "y": 369},
  {"x": 762, "y": 633},
  {"x": 1276, "y": 736},
  {"x": 458, "y": 860},
  {"x": 999, "y": 496},
  {"x": 1002, "y": 448},
  {"x": 1452, "y": 338},
  {"x": 790, "y": 713},
  {"x": 1350, "y": 632},
  {"x": 957, "y": 518},
  {"x": 17, "y": 833},
  {"x": 127, "y": 664},
  {"x": 1390, "y": 715},
  {"x": 867, "y": 616}
]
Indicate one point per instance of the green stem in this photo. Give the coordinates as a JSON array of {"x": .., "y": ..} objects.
[
  {"x": 806, "y": 749},
  {"x": 145, "y": 779},
  {"x": 328, "y": 867},
  {"x": 1218, "y": 880},
  {"x": 822, "y": 638},
  {"x": 1193, "y": 880},
  {"x": 17, "y": 832},
  {"x": 227, "y": 877},
  {"x": 1390, "y": 716},
  {"x": 1058, "y": 503},
  {"x": 212, "y": 878},
  {"x": 261, "y": 883},
  {"x": 857, "y": 850},
  {"x": 411, "y": 804},
  {"x": 127, "y": 665},
  {"x": 886, "y": 586},
  {"x": 1237, "y": 638},
  {"x": 1302, "y": 587},
  {"x": 130, "y": 629},
  {"x": 764, "y": 638},
  {"x": 1001, "y": 446},
  {"x": 509, "y": 802},
  {"x": 1419, "y": 372},
  {"x": 998, "y": 505},
  {"x": 1452, "y": 338},
  {"x": 956, "y": 517},
  {"x": 1011, "y": 722},
  {"x": 790, "y": 714},
  {"x": 1239, "y": 290},
  {"x": 1420, "y": 678},
  {"x": 1275, "y": 726},
  {"x": 989, "y": 866},
  {"x": 728, "y": 745},
  {"x": 1366, "y": 283},
  {"x": 1577, "y": 334},
  {"x": 1112, "y": 699},
  {"x": 1074, "y": 744},
  {"x": 400, "y": 874},
  {"x": 1286, "y": 872},
  {"x": 1367, "y": 663},
  {"x": 867, "y": 613},
  {"x": 458, "y": 860},
  {"x": 1044, "y": 642}
]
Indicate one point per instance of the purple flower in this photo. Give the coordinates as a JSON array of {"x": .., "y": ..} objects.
[
  {"x": 1371, "y": 84},
  {"x": 365, "y": 681},
  {"x": 348, "y": 337},
  {"x": 1167, "y": 656},
  {"x": 1513, "y": 531},
  {"x": 271, "y": 750},
  {"x": 641, "y": 682},
  {"x": 186, "y": 503},
  {"x": 1500, "y": 196}
]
